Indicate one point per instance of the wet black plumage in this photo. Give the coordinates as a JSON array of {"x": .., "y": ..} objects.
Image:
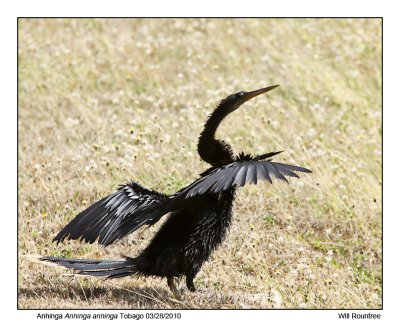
[{"x": 199, "y": 214}]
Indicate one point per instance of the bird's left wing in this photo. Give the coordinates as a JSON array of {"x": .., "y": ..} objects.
[
  {"x": 239, "y": 173},
  {"x": 116, "y": 215}
]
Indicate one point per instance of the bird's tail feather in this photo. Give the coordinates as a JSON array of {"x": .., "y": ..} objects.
[{"x": 99, "y": 268}]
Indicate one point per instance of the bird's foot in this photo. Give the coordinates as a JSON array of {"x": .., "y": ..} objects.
[
  {"x": 173, "y": 288},
  {"x": 192, "y": 288},
  {"x": 190, "y": 285}
]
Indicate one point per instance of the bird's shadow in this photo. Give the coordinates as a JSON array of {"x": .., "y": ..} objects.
[
  {"x": 114, "y": 297},
  {"x": 136, "y": 297}
]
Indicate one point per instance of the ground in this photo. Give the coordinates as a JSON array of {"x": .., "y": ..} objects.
[{"x": 102, "y": 102}]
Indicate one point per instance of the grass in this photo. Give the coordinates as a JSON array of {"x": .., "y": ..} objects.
[{"x": 105, "y": 101}]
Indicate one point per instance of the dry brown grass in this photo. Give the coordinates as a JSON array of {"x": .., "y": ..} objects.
[{"x": 105, "y": 101}]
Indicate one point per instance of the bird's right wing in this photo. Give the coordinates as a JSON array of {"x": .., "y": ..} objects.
[
  {"x": 117, "y": 215},
  {"x": 239, "y": 173}
]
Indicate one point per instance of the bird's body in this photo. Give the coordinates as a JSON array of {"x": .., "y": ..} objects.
[
  {"x": 199, "y": 214},
  {"x": 188, "y": 237}
]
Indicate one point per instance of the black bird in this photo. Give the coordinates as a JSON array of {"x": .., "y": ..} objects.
[{"x": 200, "y": 213}]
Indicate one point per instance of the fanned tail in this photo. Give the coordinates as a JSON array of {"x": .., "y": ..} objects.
[{"x": 99, "y": 268}]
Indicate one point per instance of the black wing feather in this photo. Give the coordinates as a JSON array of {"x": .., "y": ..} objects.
[
  {"x": 117, "y": 215},
  {"x": 240, "y": 178},
  {"x": 285, "y": 171},
  {"x": 238, "y": 173},
  {"x": 295, "y": 168},
  {"x": 275, "y": 171},
  {"x": 250, "y": 174},
  {"x": 262, "y": 173},
  {"x": 230, "y": 178}
]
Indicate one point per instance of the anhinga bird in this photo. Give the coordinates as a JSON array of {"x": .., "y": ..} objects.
[{"x": 200, "y": 213}]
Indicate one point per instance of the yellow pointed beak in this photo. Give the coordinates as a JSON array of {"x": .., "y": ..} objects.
[{"x": 253, "y": 94}]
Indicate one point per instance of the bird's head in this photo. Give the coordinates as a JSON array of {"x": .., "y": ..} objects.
[{"x": 235, "y": 100}]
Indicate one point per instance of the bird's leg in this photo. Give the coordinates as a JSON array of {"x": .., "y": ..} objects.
[
  {"x": 189, "y": 279},
  {"x": 190, "y": 284},
  {"x": 172, "y": 286}
]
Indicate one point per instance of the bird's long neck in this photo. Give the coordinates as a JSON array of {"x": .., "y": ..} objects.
[{"x": 211, "y": 150}]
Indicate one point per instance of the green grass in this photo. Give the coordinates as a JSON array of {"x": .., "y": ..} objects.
[{"x": 102, "y": 102}]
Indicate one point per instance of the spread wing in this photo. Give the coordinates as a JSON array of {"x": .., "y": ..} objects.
[
  {"x": 133, "y": 206},
  {"x": 239, "y": 173},
  {"x": 116, "y": 215}
]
